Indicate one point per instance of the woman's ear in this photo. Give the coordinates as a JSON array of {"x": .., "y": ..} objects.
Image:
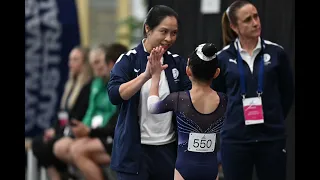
[
  {"x": 234, "y": 28},
  {"x": 147, "y": 29},
  {"x": 188, "y": 71},
  {"x": 216, "y": 74}
]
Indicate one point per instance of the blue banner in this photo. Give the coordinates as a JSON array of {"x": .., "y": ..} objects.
[{"x": 51, "y": 31}]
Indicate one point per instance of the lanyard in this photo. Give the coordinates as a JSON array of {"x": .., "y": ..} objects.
[{"x": 242, "y": 77}]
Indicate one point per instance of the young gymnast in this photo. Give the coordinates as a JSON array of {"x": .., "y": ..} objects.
[{"x": 199, "y": 112}]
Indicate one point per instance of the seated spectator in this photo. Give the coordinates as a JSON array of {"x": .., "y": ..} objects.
[
  {"x": 94, "y": 135},
  {"x": 74, "y": 103}
]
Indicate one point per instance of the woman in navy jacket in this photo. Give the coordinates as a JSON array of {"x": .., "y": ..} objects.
[
  {"x": 145, "y": 148},
  {"x": 257, "y": 78}
]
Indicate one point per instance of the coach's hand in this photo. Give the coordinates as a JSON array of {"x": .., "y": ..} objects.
[{"x": 154, "y": 61}]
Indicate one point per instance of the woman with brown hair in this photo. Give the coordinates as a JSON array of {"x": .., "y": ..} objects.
[{"x": 258, "y": 80}]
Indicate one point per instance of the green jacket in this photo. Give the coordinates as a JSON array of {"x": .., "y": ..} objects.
[{"x": 99, "y": 103}]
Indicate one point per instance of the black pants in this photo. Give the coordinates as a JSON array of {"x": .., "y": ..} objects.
[
  {"x": 43, "y": 151},
  {"x": 269, "y": 159},
  {"x": 158, "y": 163},
  {"x": 107, "y": 146}
]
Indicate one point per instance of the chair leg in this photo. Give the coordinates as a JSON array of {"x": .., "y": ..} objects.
[
  {"x": 32, "y": 166},
  {"x": 43, "y": 174}
]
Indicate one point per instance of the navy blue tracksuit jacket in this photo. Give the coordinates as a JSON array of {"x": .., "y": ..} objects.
[
  {"x": 277, "y": 97},
  {"x": 126, "y": 151}
]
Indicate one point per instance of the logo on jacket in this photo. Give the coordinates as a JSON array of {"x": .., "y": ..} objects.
[
  {"x": 136, "y": 71},
  {"x": 233, "y": 61},
  {"x": 266, "y": 59},
  {"x": 175, "y": 73}
]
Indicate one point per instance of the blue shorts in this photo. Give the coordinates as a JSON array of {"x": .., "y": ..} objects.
[{"x": 198, "y": 170}]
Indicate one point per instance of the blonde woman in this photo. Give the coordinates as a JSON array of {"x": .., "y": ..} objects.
[{"x": 74, "y": 103}]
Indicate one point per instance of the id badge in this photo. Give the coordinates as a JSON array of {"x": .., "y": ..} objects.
[
  {"x": 63, "y": 118},
  {"x": 96, "y": 121},
  {"x": 253, "y": 111},
  {"x": 201, "y": 142}
]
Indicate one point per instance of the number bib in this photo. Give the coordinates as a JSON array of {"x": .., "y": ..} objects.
[{"x": 202, "y": 142}]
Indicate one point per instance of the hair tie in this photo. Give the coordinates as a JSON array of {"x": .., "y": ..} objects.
[
  {"x": 201, "y": 55},
  {"x": 227, "y": 13}
]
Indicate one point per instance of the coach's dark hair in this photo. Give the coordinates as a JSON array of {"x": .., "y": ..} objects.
[
  {"x": 155, "y": 16},
  {"x": 230, "y": 17},
  {"x": 204, "y": 67}
]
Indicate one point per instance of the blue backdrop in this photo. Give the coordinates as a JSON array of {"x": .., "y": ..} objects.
[{"x": 51, "y": 31}]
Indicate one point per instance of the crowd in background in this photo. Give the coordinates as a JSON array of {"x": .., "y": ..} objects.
[{"x": 81, "y": 137}]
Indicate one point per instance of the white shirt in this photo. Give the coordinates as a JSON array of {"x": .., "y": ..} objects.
[
  {"x": 156, "y": 129},
  {"x": 246, "y": 56}
]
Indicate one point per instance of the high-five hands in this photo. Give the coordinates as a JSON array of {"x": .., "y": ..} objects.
[{"x": 154, "y": 64}]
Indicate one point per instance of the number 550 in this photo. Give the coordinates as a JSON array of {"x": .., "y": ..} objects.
[{"x": 202, "y": 143}]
